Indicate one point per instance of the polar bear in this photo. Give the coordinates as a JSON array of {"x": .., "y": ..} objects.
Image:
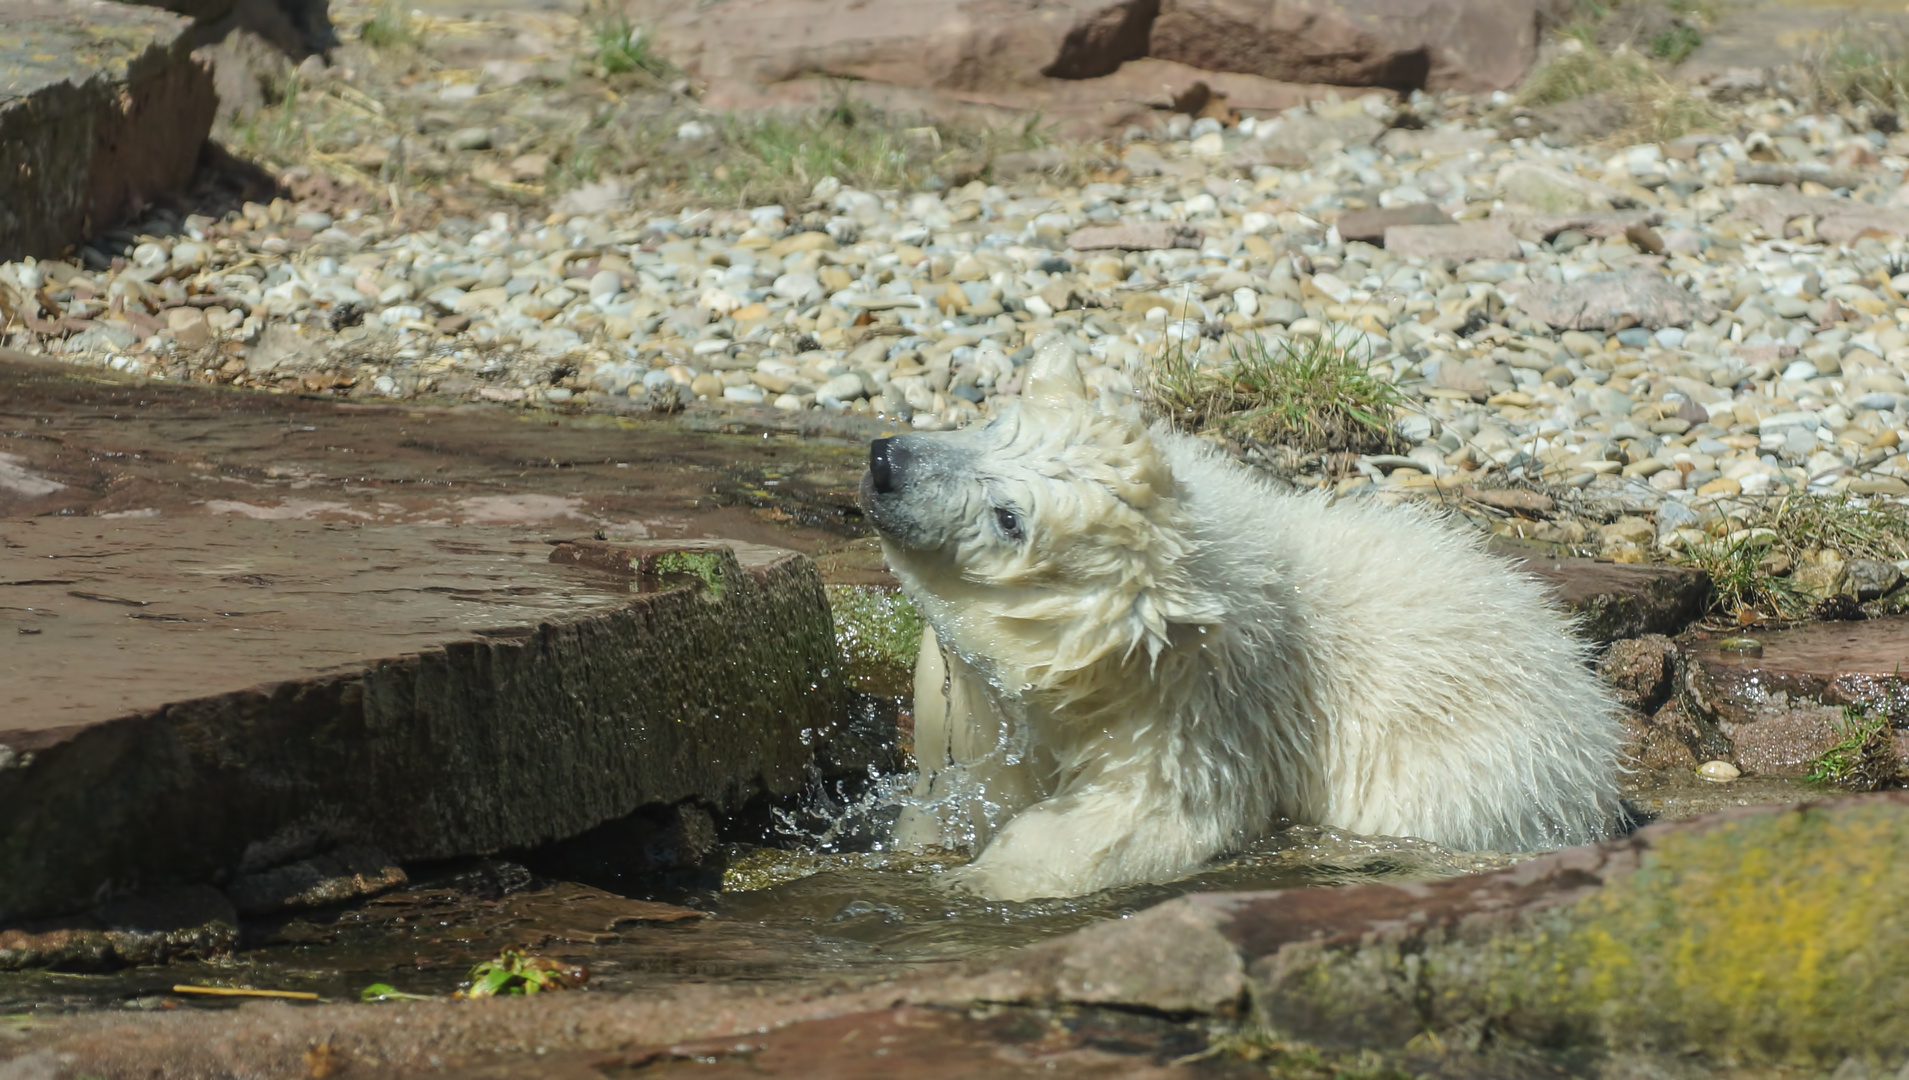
[{"x": 1139, "y": 655}]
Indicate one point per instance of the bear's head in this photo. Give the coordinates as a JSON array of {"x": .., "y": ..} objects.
[{"x": 1044, "y": 541}]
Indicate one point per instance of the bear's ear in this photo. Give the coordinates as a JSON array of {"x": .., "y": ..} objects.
[{"x": 1053, "y": 375}]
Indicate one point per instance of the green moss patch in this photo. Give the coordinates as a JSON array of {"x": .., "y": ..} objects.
[{"x": 879, "y": 633}]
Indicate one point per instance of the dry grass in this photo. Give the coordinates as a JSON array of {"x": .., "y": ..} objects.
[
  {"x": 1312, "y": 395},
  {"x": 1861, "y": 65},
  {"x": 1741, "y": 569},
  {"x": 1657, "y": 107},
  {"x": 1740, "y": 582},
  {"x": 1874, "y": 529}
]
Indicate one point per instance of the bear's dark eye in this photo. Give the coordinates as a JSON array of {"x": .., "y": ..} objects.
[{"x": 1008, "y": 521}]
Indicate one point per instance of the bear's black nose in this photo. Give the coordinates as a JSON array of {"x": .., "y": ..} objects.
[{"x": 885, "y": 460}]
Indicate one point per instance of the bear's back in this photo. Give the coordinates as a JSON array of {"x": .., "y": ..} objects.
[{"x": 1456, "y": 704}]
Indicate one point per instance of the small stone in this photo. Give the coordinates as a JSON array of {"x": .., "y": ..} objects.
[
  {"x": 1540, "y": 187},
  {"x": 188, "y": 327},
  {"x": 1463, "y": 242},
  {"x": 1718, "y": 772},
  {"x": 605, "y": 283},
  {"x": 1136, "y": 236},
  {"x": 841, "y": 388},
  {"x": 1821, "y": 574},
  {"x": 471, "y": 138},
  {"x": 706, "y": 385}
]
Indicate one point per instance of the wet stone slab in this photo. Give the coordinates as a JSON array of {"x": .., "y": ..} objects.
[
  {"x": 1620, "y": 600},
  {"x": 1780, "y": 697},
  {"x": 102, "y": 110},
  {"x": 195, "y": 697}
]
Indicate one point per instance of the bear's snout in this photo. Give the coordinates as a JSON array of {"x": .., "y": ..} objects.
[{"x": 886, "y": 460}]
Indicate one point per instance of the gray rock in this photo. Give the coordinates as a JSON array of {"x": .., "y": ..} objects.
[
  {"x": 1873, "y": 578},
  {"x": 1603, "y": 301},
  {"x": 1136, "y": 236},
  {"x": 1462, "y": 242}
]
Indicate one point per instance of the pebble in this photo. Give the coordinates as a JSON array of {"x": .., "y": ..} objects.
[
  {"x": 1672, "y": 357},
  {"x": 1718, "y": 772}
]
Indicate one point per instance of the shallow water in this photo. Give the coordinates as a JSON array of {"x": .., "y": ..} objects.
[{"x": 781, "y": 915}]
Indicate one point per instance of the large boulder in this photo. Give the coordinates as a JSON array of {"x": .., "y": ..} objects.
[
  {"x": 1466, "y": 45},
  {"x": 1052, "y": 55},
  {"x": 968, "y": 45},
  {"x": 102, "y": 109}
]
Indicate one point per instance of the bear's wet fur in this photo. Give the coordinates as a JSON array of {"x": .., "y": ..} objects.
[{"x": 1142, "y": 655}]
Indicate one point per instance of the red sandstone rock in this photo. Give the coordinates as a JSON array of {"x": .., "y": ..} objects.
[
  {"x": 1370, "y": 225},
  {"x": 1466, "y": 45}
]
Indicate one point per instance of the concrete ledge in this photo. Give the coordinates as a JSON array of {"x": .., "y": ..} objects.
[
  {"x": 102, "y": 109},
  {"x": 194, "y": 697}
]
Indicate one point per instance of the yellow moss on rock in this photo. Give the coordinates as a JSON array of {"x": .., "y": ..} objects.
[{"x": 1778, "y": 936}]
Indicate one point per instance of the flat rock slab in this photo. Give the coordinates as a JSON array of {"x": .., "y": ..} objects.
[
  {"x": 89, "y": 443},
  {"x": 185, "y": 692},
  {"x": 1622, "y": 600},
  {"x": 102, "y": 109},
  {"x": 1780, "y": 701}
]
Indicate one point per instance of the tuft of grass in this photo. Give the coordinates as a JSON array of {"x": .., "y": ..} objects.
[
  {"x": 1740, "y": 583},
  {"x": 1312, "y": 395},
  {"x": 1657, "y": 108},
  {"x": 1863, "y": 758},
  {"x": 1861, "y": 65},
  {"x": 619, "y": 47},
  {"x": 777, "y": 158},
  {"x": 391, "y": 28},
  {"x": 1586, "y": 70},
  {"x": 1793, "y": 526}
]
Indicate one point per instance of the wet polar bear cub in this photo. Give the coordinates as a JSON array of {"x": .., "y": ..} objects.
[{"x": 1141, "y": 656}]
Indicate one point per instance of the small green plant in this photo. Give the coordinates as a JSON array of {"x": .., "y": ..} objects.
[
  {"x": 618, "y": 47},
  {"x": 391, "y": 28},
  {"x": 1311, "y": 394},
  {"x": 1675, "y": 44},
  {"x": 1863, "y": 758},
  {"x": 517, "y": 972}
]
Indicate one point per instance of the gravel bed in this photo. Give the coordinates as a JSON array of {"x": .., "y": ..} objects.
[{"x": 1670, "y": 326}]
